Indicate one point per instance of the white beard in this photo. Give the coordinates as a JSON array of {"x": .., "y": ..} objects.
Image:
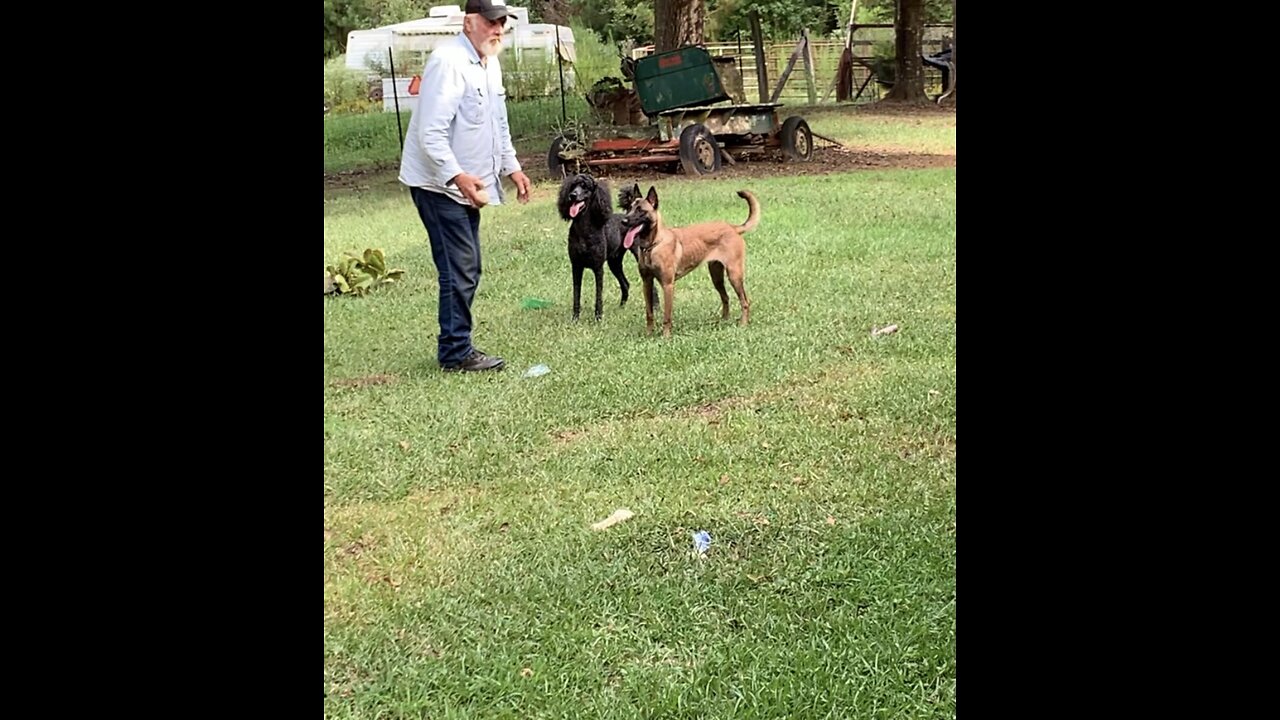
[{"x": 491, "y": 48}]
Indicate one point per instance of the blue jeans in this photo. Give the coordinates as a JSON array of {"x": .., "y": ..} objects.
[{"x": 454, "y": 231}]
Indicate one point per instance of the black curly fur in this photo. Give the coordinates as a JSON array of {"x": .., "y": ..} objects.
[
  {"x": 627, "y": 197},
  {"x": 595, "y": 237}
]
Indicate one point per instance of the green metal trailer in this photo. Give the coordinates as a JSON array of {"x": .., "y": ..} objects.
[{"x": 681, "y": 92}]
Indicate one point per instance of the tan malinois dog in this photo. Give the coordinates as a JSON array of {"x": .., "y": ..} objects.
[{"x": 667, "y": 254}]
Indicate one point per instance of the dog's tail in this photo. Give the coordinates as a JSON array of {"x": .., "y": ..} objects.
[
  {"x": 627, "y": 196},
  {"x": 753, "y": 217}
]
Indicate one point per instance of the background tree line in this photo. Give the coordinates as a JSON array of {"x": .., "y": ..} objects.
[{"x": 620, "y": 21}]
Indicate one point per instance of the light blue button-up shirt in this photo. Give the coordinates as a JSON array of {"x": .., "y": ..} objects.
[{"x": 460, "y": 124}]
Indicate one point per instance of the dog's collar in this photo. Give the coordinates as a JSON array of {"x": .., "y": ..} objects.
[
  {"x": 647, "y": 248},
  {"x": 650, "y": 246}
]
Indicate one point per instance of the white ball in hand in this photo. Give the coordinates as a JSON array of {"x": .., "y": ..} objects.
[{"x": 482, "y": 196}]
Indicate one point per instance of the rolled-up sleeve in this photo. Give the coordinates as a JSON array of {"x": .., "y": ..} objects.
[{"x": 441, "y": 91}]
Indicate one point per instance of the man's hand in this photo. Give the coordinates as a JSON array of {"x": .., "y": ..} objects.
[
  {"x": 472, "y": 189},
  {"x": 522, "y": 186}
]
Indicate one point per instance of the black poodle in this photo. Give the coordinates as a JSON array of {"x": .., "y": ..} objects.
[{"x": 595, "y": 236}]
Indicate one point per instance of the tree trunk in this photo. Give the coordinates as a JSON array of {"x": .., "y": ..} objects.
[
  {"x": 678, "y": 23},
  {"x": 908, "y": 28},
  {"x": 551, "y": 12}
]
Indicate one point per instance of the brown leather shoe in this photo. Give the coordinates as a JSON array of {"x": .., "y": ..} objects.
[{"x": 476, "y": 362}]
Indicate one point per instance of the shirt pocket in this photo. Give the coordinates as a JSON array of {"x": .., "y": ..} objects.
[
  {"x": 500, "y": 105},
  {"x": 472, "y": 107}
]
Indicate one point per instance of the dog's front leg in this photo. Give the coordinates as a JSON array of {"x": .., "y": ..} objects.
[
  {"x": 615, "y": 266},
  {"x": 577, "y": 290},
  {"x": 649, "y": 299},
  {"x": 599, "y": 271},
  {"x": 668, "y": 295}
]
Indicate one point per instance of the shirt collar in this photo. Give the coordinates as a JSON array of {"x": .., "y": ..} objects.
[{"x": 471, "y": 49}]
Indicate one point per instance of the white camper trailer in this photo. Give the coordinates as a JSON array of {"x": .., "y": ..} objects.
[{"x": 529, "y": 51}]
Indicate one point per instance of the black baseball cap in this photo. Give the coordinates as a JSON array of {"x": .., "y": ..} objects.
[{"x": 492, "y": 9}]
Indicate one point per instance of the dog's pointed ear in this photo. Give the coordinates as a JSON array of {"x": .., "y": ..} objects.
[{"x": 652, "y": 197}]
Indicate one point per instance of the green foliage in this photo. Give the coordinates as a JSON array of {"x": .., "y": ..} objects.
[
  {"x": 596, "y": 58},
  {"x": 779, "y": 19},
  {"x": 784, "y": 19},
  {"x": 355, "y": 275},
  {"x": 363, "y": 140},
  {"x": 537, "y": 73},
  {"x": 884, "y": 60},
  {"x": 408, "y": 64},
  {"x": 881, "y": 11},
  {"x": 538, "y": 118},
  {"x": 616, "y": 20},
  {"x": 875, "y": 11},
  {"x": 631, "y": 21},
  {"x": 345, "y": 90},
  {"x": 343, "y": 16}
]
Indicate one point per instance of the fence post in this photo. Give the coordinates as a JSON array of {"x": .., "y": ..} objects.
[
  {"x": 762, "y": 73},
  {"x": 395, "y": 95},
  {"x": 560, "y": 63},
  {"x": 808, "y": 67}
]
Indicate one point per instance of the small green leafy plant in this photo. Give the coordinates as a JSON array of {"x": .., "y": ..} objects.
[{"x": 357, "y": 275}]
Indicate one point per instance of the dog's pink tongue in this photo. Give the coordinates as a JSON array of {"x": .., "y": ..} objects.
[
  {"x": 631, "y": 236},
  {"x": 576, "y": 208}
]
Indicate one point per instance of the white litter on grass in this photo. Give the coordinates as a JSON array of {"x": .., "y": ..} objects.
[
  {"x": 537, "y": 371},
  {"x": 886, "y": 330},
  {"x": 619, "y": 515}
]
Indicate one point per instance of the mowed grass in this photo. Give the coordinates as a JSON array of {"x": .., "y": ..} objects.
[
  {"x": 873, "y": 128},
  {"x": 353, "y": 142},
  {"x": 461, "y": 576}
]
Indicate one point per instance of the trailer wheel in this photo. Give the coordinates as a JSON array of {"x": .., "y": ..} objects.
[
  {"x": 699, "y": 153},
  {"x": 557, "y": 166},
  {"x": 797, "y": 140}
]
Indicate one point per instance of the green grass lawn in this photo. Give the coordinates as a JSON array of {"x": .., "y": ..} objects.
[
  {"x": 461, "y": 578},
  {"x": 363, "y": 141}
]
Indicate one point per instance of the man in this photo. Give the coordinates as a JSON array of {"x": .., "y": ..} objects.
[{"x": 457, "y": 148}]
